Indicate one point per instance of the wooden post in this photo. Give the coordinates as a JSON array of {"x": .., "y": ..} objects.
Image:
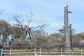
[{"x": 1, "y": 51}]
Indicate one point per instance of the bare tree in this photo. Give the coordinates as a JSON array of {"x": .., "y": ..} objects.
[{"x": 27, "y": 30}]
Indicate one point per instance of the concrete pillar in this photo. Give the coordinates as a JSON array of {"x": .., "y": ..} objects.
[
  {"x": 66, "y": 28},
  {"x": 71, "y": 34}
]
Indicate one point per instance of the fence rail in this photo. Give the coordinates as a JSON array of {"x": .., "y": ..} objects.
[{"x": 25, "y": 52}]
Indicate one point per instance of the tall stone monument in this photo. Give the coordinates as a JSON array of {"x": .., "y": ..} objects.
[{"x": 66, "y": 29}]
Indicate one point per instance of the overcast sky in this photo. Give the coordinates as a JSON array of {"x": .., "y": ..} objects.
[{"x": 45, "y": 12}]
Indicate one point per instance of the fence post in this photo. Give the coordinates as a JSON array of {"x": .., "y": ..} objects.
[
  {"x": 10, "y": 51},
  {"x": 72, "y": 52},
  {"x": 61, "y": 51},
  {"x": 81, "y": 51},
  {"x": 1, "y": 51},
  {"x": 40, "y": 51},
  {"x": 35, "y": 51}
]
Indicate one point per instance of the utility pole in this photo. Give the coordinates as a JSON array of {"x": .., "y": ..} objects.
[{"x": 66, "y": 28}]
